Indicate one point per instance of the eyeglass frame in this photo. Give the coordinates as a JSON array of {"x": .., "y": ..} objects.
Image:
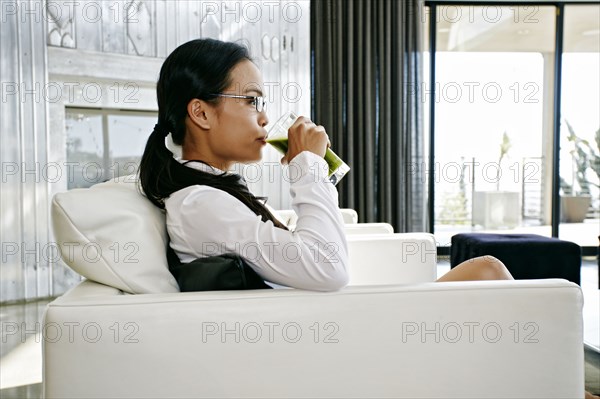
[{"x": 255, "y": 98}]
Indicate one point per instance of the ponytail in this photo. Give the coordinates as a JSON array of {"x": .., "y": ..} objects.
[{"x": 154, "y": 167}]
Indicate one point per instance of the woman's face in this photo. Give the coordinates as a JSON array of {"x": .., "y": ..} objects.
[{"x": 237, "y": 130}]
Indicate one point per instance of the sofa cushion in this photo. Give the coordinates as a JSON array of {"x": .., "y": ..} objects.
[{"x": 110, "y": 233}]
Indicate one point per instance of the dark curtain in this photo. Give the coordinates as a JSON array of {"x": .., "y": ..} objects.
[{"x": 366, "y": 67}]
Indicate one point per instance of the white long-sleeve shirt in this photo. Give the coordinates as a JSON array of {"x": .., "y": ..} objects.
[{"x": 204, "y": 221}]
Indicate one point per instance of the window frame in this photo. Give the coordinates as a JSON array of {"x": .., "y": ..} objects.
[{"x": 556, "y": 106}]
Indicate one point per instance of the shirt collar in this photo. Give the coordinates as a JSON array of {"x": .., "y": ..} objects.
[{"x": 201, "y": 166}]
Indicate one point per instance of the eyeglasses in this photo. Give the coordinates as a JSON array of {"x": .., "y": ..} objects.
[{"x": 260, "y": 103}]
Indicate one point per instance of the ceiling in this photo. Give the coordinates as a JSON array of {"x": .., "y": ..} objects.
[{"x": 515, "y": 29}]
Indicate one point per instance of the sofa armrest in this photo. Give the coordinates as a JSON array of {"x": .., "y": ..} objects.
[
  {"x": 349, "y": 215},
  {"x": 492, "y": 339},
  {"x": 403, "y": 258}
]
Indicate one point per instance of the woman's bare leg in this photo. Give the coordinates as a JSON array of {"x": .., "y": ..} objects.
[{"x": 481, "y": 268}]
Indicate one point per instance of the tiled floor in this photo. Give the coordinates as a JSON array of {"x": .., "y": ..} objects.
[
  {"x": 21, "y": 360},
  {"x": 21, "y": 350}
]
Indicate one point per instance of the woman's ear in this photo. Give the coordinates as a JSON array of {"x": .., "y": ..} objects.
[{"x": 201, "y": 113}]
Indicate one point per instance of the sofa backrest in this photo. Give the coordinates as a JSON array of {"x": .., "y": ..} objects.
[{"x": 112, "y": 234}]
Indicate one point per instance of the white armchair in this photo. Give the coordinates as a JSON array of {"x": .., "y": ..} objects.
[{"x": 507, "y": 339}]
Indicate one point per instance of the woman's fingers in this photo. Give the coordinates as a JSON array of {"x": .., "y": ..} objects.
[
  {"x": 302, "y": 120},
  {"x": 305, "y": 135},
  {"x": 320, "y": 128}
]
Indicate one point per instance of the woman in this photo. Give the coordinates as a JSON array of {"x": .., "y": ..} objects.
[{"x": 210, "y": 100}]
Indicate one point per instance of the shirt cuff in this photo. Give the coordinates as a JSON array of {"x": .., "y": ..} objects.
[{"x": 307, "y": 164}]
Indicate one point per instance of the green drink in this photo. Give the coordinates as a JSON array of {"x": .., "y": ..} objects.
[
  {"x": 279, "y": 140},
  {"x": 280, "y": 144}
]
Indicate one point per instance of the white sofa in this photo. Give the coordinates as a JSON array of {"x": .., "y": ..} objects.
[{"x": 392, "y": 333}]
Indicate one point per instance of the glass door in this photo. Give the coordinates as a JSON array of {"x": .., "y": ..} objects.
[
  {"x": 580, "y": 126},
  {"x": 494, "y": 71}
]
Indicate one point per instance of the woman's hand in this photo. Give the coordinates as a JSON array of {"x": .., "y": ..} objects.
[{"x": 304, "y": 135}]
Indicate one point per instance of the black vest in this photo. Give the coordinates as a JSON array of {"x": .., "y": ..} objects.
[{"x": 214, "y": 273}]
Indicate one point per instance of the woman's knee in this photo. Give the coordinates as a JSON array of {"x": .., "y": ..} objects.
[
  {"x": 481, "y": 268},
  {"x": 493, "y": 268}
]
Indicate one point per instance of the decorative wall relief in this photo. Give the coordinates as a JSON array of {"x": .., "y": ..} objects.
[
  {"x": 61, "y": 28},
  {"x": 139, "y": 28},
  {"x": 266, "y": 47}
]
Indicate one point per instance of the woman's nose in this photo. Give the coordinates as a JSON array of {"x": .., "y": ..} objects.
[{"x": 264, "y": 119}]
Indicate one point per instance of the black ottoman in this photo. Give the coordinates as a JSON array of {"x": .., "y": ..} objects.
[{"x": 526, "y": 256}]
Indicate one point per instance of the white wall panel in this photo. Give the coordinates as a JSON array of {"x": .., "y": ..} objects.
[
  {"x": 171, "y": 17},
  {"x": 161, "y": 25},
  {"x": 11, "y": 272},
  {"x": 25, "y": 270},
  {"x": 194, "y": 18}
]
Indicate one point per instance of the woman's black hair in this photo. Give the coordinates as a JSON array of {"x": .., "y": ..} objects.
[{"x": 196, "y": 69}]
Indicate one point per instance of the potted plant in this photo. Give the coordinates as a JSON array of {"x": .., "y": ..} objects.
[
  {"x": 500, "y": 208},
  {"x": 576, "y": 197},
  {"x": 505, "y": 146}
]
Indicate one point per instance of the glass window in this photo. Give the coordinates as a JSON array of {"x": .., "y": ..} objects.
[
  {"x": 103, "y": 144},
  {"x": 127, "y": 136},
  {"x": 85, "y": 149}
]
